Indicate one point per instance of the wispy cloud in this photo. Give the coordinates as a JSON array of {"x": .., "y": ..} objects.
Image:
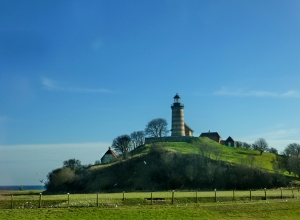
[
  {"x": 53, "y": 85},
  {"x": 257, "y": 93},
  {"x": 277, "y": 133},
  {"x": 278, "y": 137}
]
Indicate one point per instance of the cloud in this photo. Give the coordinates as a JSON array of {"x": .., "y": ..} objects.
[
  {"x": 257, "y": 93},
  {"x": 53, "y": 85},
  {"x": 50, "y": 84},
  {"x": 278, "y": 138},
  {"x": 291, "y": 94}
]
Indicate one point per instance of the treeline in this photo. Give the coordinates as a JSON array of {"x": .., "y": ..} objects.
[{"x": 161, "y": 169}]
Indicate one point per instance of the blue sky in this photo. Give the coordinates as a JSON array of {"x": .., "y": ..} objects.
[{"x": 74, "y": 75}]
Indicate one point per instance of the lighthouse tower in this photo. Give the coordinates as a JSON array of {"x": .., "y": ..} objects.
[{"x": 178, "y": 128}]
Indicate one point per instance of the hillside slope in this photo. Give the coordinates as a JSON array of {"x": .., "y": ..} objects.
[
  {"x": 201, "y": 164},
  {"x": 206, "y": 147}
]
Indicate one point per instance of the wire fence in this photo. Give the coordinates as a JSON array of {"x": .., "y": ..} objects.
[{"x": 9, "y": 201}]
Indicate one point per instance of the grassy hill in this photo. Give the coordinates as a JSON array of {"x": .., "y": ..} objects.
[
  {"x": 200, "y": 164},
  {"x": 207, "y": 147}
]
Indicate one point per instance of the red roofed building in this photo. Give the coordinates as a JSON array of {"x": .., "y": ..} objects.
[{"x": 109, "y": 157}]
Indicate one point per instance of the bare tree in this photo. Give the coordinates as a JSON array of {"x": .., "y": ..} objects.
[
  {"x": 294, "y": 165},
  {"x": 73, "y": 164},
  {"x": 137, "y": 138},
  {"x": 239, "y": 144},
  {"x": 261, "y": 145},
  {"x": 246, "y": 145},
  {"x": 140, "y": 138},
  {"x": 273, "y": 150},
  {"x": 122, "y": 144},
  {"x": 292, "y": 150},
  {"x": 292, "y": 154},
  {"x": 157, "y": 128}
]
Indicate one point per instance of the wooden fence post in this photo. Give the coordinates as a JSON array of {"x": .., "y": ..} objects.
[
  {"x": 123, "y": 196},
  {"x": 293, "y": 193},
  {"x": 173, "y": 197},
  {"x": 97, "y": 199},
  {"x": 40, "y": 202},
  {"x": 250, "y": 195},
  {"x": 265, "y": 194},
  {"x": 196, "y": 197},
  {"x": 68, "y": 200},
  {"x": 12, "y": 203},
  {"x": 281, "y": 193},
  {"x": 151, "y": 199},
  {"x": 215, "y": 195}
]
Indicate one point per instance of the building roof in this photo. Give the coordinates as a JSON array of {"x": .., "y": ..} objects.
[
  {"x": 188, "y": 127},
  {"x": 176, "y": 96},
  {"x": 230, "y": 139},
  {"x": 111, "y": 152},
  {"x": 210, "y": 134}
]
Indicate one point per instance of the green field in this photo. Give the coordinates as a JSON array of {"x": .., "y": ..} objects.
[{"x": 276, "y": 209}]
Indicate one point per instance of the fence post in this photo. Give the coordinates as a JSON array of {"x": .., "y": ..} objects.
[
  {"x": 97, "y": 199},
  {"x": 215, "y": 195},
  {"x": 40, "y": 202},
  {"x": 196, "y": 197},
  {"x": 151, "y": 199},
  {"x": 173, "y": 197},
  {"x": 250, "y": 195},
  {"x": 281, "y": 192},
  {"x": 12, "y": 203},
  {"x": 293, "y": 192},
  {"x": 123, "y": 196},
  {"x": 265, "y": 194},
  {"x": 68, "y": 200}
]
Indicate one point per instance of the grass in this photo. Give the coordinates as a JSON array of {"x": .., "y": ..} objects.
[
  {"x": 228, "y": 154},
  {"x": 234, "y": 210},
  {"x": 134, "y": 198},
  {"x": 135, "y": 206}
]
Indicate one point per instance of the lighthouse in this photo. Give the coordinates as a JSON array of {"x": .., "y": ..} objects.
[{"x": 178, "y": 128}]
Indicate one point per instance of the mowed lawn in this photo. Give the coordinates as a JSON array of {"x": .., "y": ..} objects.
[{"x": 274, "y": 209}]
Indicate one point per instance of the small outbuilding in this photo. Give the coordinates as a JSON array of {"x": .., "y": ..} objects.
[
  {"x": 229, "y": 142},
  {"x": 212, "y": 135},
  {"x": 109, "y": 157}
]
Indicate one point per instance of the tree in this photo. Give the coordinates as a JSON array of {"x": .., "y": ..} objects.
[
  {"x": 60, "y": 179},
  {"x": 137, "y": 138},
  {"x": 292, "y": 158},
  {"x": 73, "y": 164},
  {"x": 122, "y": 144},
  {"x": 157, "y": 128},
  {"x": 273, "y": 150},
  {"x": 292, "y": 150},
  {"x": 239, "y": 144},
  {"x": 246, "y": 145},
  {"x": 261, "y": 145}
]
